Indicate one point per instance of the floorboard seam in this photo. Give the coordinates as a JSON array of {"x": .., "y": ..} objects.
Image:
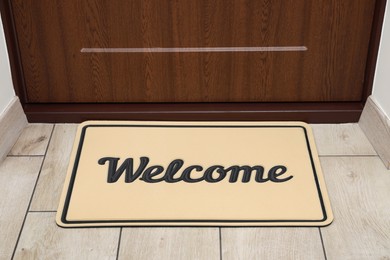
[
  {"x": 42, "y": 211},
  {"x": 119, "y": 244},
  {"x": 349, "y": 155},
  {"x": 220, "y": 244},
  {"x": 25, "y": 155},
  {"x": 323, "y": 246}
]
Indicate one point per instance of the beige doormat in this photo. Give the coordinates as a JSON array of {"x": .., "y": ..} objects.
[{"x": 194, "y": 174}]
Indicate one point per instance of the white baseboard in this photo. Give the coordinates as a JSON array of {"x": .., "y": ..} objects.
[
  {"x": 12, "y": 122},
  {"x": 376, "y": 125}
]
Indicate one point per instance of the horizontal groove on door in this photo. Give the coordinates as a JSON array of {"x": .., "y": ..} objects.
[{"x": 195, "y": 49}]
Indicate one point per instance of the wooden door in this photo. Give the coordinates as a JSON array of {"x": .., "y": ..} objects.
[{"x": 179, "y": 51}]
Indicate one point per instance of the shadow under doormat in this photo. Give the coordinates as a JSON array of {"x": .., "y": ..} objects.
[{"x": 128, "y": 173}]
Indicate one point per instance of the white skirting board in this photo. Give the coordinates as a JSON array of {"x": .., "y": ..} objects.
[
  {"x": 376, "y": 125},
  {"x": 12, "y": 122}
]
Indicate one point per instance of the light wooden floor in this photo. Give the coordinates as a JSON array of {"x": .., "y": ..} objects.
[{"x": 31, "y": 180}]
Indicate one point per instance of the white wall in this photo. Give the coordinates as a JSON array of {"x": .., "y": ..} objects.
[
  {"x": 381, "y": 92},
  {"x": 6, "y": 87}
]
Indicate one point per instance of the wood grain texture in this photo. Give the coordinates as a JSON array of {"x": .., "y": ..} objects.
[
  {"x": 376, "y": 125},
  {"x": 43, "y": 239},
  {"x": 341, "y": 139},
  {"x": 169, "y": 243},
  {"x": 12, "y": 122},
  {"x": 51, "y": 34},
  {"x": 51, "y": 179},
  {"x": 271, "y": 243},
  {"x": 17, "y": 180},
  {"x": 33, "y": 140},
  {"x": 359, "y": 191}
]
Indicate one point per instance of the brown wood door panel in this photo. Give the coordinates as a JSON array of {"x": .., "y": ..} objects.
[{"x": 51, "y": 34}]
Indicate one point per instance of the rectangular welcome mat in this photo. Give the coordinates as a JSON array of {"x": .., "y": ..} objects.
[{"x": 194, "y": 174}]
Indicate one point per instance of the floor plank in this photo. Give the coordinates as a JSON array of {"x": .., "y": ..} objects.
[
  {"x": 17, "y": 181},
  {"x": 33, "y": 140},
  {"x": 271, "y": 243},
  {"x": 43, "y": 239},
  {"x": 359, "y": 190},
  {"x": 169, "y": 243},
  {"x": 341, "y": 139},
  {"x": 51, "y": 180}
]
